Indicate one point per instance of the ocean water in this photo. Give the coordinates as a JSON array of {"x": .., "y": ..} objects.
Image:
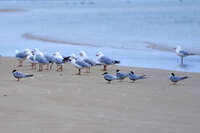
[{"x": 121, "y": 29}]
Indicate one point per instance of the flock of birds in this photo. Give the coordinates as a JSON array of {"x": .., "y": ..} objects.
[{"x": 36, "y": 57}]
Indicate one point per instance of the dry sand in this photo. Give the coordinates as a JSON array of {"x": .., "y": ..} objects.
[{"x": 62, "y": 102}]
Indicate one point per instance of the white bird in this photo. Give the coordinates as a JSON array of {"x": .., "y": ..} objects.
[
  {"x": 19, "y": 75},
  {"x": 120, "y": 75},
  {"x": 40, "y": 58},
  {"x": 78, "y": 63},
  {"x": 135, "y": 77},
  {"x": 58, "y": 60},
  {"x": 109, "y": 77},
  {"x": 85, "y": 58},
  {"x": 182, "y": 53},
  {"x": 32, "y": 60},
  {"x": 106, "y": 60},
  {"x": 21, "y": 56},
  {"x": 175, "y": 79}
]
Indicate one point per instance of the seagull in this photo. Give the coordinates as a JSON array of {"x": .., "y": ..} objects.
[
  {"x": 175, "y": 79},
  {"x": 182, "y": 53},
  {"x": 105, "y": 60},
  {"x": 120, "y": 75},
  {"x": 109, "y": 77},
  {"x": 50, "y": 59},
  {"x": 19, "y": 75},
  {"x": 78, "y": 63},
  {"x": 40, "y": 58},
  {"x": 135, "y": 77},
  {"x": 59, "y": 60},
  {"x": 21, "y": 56},
  {"x": 32, "y": 60},
  {"x": 86, "y": 59}
]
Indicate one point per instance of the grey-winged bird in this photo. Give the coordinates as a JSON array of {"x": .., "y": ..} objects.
[
  {"x": 106, "y": 60},
  {"x": 134, "y": 77},
  {"x": 19, "y": 75},
  {"x": 120, "y": 75},
  {"x": 109, "y": 77},
  {"x": 175, "y": 79}
]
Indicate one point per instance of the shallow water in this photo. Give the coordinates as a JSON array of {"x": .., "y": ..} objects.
[{"x": 118, "y": 29}]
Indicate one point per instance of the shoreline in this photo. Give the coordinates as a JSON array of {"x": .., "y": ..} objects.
[{"x": 127, "y": 66}]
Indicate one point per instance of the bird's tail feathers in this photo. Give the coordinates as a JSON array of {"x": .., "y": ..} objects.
[
  {"x": 116, "y": 62},
  {"x": 185, "y": 77},
  {"x": 143, "y": 76},
  {"x": 29, "y": 75}
]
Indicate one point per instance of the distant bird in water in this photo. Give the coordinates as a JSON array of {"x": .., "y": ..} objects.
[
  {"x": 182, "y": 53},
  {"x": 19, "y": 75},
  {"x": 175, "y": 79},
  {"x": 106, "y": 60},
  {"x": 109, "y": 77},
  {"x": 120, "y": 75},
  {"x": 135, "y": 77}
]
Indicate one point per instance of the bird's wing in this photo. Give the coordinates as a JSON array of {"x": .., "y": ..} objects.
[
  {"x": 106, "y": 60},
  {"x": 110, "y": 77},
  {"x": 91, "y": 62},
  {"x": 19, "y": 75}
]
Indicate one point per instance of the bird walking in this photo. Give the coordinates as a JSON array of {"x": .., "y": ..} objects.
[
  {"x": 109, "y": 77},
  {"x": 19, "y": 75},
  {"x": 135, "y": 77},
  {"x": 174, "y": 79}
]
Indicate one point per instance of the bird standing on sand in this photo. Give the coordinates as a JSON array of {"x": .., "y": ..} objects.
[
  {"x": 106, "y": 60},
  {"x": 85, "y": 58},
  {"x": 135, "y": 77},
  {"x": 40, "y": 58},
  {"x": 21, "y": 56},
  {"x": 109, "y": 77},
  {"x": 19, "y": 75},
  {"x": 120, "y": 75},
  {"x": 58, "y": 59},
  {"x": 175, "y": 79},
  {"x": 78, "y": 63},
  {"x": 182, "y": 53}
]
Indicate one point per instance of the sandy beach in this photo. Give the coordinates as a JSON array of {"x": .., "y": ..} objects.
[{"x": 60, "y": 102}]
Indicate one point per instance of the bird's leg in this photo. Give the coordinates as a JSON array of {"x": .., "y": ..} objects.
[
  {"x": 174, "y": 83},
  {"x": 104, "y": 67},
  {"x": 17, "y": 79},
  {"x": 133, "y": 81},
  {"x": 57, "y": 68},
  {"x": 20, "y": 63},
  {"x": 61, "y": 68},
  {"x": 47, "y": 67},
  {"x": 51, "y": 66},
  {"x": 181, "y": 60},
  {"x": 79, "y": 71},
  {"x": 32, "y": 65}
]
